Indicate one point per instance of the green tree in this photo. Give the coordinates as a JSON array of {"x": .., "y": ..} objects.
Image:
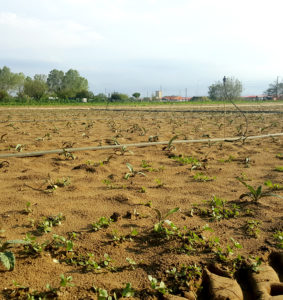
[
  {"x": 232, "y": 89},
  {"x": 3, "y": 95},
  {"x": 55, "y": 81},
  {"x": 68, "y": 85},
  {"x": 9, "y": 81},
  {"x": 118, "y": 97},
  {"x": 72, "y": 84},
  {"x": 85, "y": 94},
  {"x": 35, "y": 88},
  {"x": 136, "y": 95},
  {"x": 275, "y": 90},
  {"x": 100, "y": 98}
]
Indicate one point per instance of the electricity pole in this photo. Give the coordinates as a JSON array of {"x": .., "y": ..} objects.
[{"x": 277, "y": 87}]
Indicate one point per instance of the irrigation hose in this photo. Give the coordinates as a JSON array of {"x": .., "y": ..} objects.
[{"x": 146, "y": 144}]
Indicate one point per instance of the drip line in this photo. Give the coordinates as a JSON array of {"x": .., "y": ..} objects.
[{"x": 146, "y": 144}]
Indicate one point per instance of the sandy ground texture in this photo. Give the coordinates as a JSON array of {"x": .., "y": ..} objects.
[{"x": 189, "y": 220}]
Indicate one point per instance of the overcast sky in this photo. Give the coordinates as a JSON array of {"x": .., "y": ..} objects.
[{"x": 140, "y": 45}]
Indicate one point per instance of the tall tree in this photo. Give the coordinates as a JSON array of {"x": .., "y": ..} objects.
[
  {"x": 9, "y": 81},
  {"x": 72, "y": 84},
  {"x": 275, "y": 89},
  {"x": 232, "y": 89},
  {"x": 136, "y": 95},
  {"x": 55, "y": 81},
  {"x": 35, "y": 88},
  {"x": 118, "y": 97}
]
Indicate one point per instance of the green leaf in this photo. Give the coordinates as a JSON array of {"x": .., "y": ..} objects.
[
  {"x": 130, "y": 167},
  {"x": 171, "y": 141},
  {"x": 158, "y": 214},
  {"x": 170, "y": 212},
  {"x": 258, "y": 191},
  {"x": 128, "y": 291},
  {"x": 251, "y": 189},
  {"x": 8, "y": 260}
]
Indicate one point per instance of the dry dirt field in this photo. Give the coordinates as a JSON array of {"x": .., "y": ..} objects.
[{"x": 198, "y": 221}]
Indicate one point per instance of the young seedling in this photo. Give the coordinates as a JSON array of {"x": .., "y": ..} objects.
[
  {"x": 48, "y": 222},
  {"x": 102, "y": 294},
  {"x": 219, "y": 210},
  {"x": 68, "y": 155},
  {"x": 66, "y": 281},
  {"x": 200, "y": 177},
  {"x": 28, "y": 208},
  {"x": 142, "y": 190},
  {"x": 7, "y": 258},
  {"x": 157, "y": 286},
  {"x": 159, "y": 226},
  {"x": 279, "y": 169},
  {"x": 110, "y": 185},
  {"x": 19, "y": 147},
  {"x": 53, "y": 185},
  {"x": 170, "y": 146},
  {"x": 278, "y": 236},
  {"x": 132, "y": 263},
  {"x": 61, "y": 242},
  {"x": 254, "y": 193},
  {"x": 252, "y": 228},
  {"x": 63, "y": 182},
  {"x": 128, "y": 291},
  {"x": 254, "y": 264},
  {"x": 159, "y": 183},
  {"x": 132, "y": 172},
  {"x": 188, "y": 160},
  {"x": 103, "y": 222},
  {"x": 184, "y": 276},
  {"x": 273, "y": 186}
]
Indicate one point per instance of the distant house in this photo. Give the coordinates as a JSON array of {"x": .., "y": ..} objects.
[
  {"x": 175, "y": 98},
  {"x": 258, "y": 97}
]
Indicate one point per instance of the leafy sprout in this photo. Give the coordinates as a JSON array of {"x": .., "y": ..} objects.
[
  {"x": 8, "y": 260},
  {"x": 103, "y": 222},
  {"x": 132, "y": 172},
  {"x": 159, "y": 226},
  {"x": 158, "y": 286},
  {"x": 279, "y": 169},
  {"x": 255, "y": 193},
  {"x": 278, "y": 236}
]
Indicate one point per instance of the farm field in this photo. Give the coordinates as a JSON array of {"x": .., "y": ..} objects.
[{"x": 194, "y": 220}]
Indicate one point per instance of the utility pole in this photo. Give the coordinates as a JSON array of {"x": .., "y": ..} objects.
[
  {"x": 277, "y": 87},
  {"x": 225, "y": 93}
]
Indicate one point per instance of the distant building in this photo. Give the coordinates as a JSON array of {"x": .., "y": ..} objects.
[
  {"x": 176, "y": 98},
  {"x": 258, "y": 97},
  {"x": 158, "y": 95}
]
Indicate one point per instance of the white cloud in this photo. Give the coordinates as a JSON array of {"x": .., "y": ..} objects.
[
  {"x": 29, "y": 33},
  {"x": 242, "y": 38}
]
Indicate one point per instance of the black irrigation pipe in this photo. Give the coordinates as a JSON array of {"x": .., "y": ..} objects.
[{"x": 69, "y": 150}]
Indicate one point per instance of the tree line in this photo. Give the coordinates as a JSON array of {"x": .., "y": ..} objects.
[
  {"x": 70, "y": 85},
  {"x": 231, "y": 88},
  {"x": 56, "y": 85}
]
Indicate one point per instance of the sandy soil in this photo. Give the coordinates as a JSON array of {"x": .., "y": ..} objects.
[{"x": 231, "y": 233}]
